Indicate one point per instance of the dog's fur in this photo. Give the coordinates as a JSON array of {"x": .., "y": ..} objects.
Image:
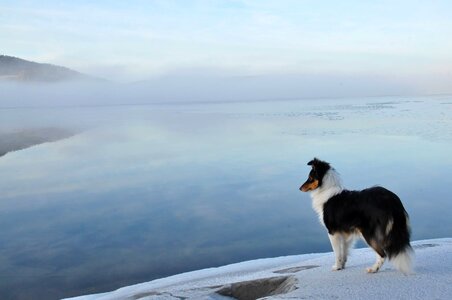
[{"x": 375, "y": 214}]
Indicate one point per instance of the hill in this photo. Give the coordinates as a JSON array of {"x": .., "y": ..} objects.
[{"x": 17, "y": 69}]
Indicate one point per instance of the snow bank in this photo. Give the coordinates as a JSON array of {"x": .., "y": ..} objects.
[{"x": 306, "y": 276}]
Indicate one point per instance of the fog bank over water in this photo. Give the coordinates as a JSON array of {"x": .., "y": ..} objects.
[{"x": 213, "y": 86}]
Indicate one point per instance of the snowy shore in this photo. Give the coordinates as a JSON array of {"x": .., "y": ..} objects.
[{"x": 306, "y": 276}]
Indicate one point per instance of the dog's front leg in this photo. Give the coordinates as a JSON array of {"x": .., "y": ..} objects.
[{"x": 336, "y": 240}]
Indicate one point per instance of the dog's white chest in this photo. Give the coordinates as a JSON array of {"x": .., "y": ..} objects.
[
  {"x": 320, "y": 197},
  {"x": 317, "y": 205}
]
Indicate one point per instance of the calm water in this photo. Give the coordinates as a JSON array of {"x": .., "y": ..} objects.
[{"x": 149, "y": 191}]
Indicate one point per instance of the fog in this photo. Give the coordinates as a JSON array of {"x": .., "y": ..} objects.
[
  {"x": 178, "y": 87},
  {"x": 200, "y": 87}
]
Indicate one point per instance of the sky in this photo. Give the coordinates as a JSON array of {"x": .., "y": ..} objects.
[{"x": 136, "y": 40}]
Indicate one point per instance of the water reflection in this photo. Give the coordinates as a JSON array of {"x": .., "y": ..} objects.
[{"x": 152, "y": 191}]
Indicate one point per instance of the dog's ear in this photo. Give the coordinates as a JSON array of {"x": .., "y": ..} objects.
[
  {"x": 319, "y": 165},
  {"x": 313, "y": 162}
]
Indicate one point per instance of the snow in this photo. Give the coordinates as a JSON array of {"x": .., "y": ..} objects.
[{"x": 310, "y": 277}]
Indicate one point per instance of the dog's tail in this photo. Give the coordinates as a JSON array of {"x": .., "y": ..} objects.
[
  {"x": 402, "y": 261},
  {"x": 398, "y": 246}
]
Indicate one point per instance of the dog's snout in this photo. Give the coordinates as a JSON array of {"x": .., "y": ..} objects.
[{"x": 303, "y": 187}]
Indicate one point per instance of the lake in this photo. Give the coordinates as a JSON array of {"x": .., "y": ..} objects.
[{"x": 147, "y": 191}]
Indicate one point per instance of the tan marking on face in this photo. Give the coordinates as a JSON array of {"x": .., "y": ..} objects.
[{"x": 309, "y": 186}]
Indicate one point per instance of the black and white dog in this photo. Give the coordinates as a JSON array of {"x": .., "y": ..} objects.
[{"x": 375, "y": 214}]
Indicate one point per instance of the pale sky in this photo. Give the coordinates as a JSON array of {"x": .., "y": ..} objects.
[{"x": 134, "y": 40}]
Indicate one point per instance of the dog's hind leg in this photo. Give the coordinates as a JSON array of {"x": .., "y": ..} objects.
[
  {"x": 380, "y": 257},
  {"x": 377, "y": 265},
  {"x": 337, "y": 242}
]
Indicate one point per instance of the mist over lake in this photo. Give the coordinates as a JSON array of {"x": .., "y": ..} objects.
[{"x": 149, "y": 190}]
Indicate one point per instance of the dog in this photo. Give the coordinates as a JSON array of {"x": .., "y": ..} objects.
[{"x": 374, "y": 214}]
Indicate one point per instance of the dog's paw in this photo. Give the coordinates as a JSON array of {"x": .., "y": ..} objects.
[
  {"x": 336, "y": 267},
  {"x": 339, "y": 265},
  {"x": 372, "y": 269}
]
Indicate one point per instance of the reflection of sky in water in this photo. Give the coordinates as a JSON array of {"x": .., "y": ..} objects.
[{"x": 156, "y": 190}]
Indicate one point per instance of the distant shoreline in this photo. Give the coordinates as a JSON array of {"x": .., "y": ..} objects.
[{"x": 19, "y": 139}]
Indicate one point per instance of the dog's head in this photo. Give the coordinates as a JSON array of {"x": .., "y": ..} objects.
[{"x": 318, "y": 171}]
